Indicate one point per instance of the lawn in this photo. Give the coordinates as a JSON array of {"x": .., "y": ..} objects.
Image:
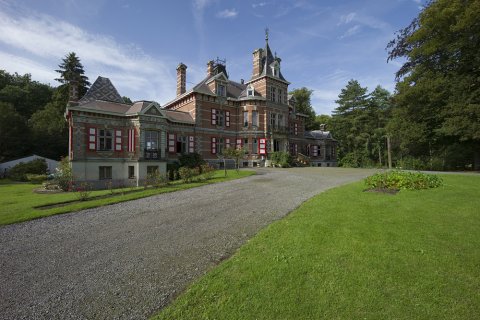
[
  {"x": 348, "y": 254},
  {"x": 18, "y": 201}
]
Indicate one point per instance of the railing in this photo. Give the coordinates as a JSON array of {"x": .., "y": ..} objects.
[
  {"x": 279, "y": 129},
  {"x": 152, "y": 154}
]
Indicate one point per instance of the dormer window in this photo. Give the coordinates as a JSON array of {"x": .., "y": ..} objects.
[
  {"x": 221, "y": 90},
  {"x": 250, "y": 92},
  {"x": 276, "y": 69}
]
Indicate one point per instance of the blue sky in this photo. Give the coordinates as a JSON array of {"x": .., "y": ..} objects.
[{"x": 138, "y": 44}]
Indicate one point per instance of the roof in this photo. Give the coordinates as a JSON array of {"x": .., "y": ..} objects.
[
  {"x": 178, "y": 116},
  {"x": 318, "y": 135},
  {"x": 102, "y": 89}
]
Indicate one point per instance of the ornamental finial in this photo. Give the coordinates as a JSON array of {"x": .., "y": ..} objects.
[{"x": 266, "y": 34}]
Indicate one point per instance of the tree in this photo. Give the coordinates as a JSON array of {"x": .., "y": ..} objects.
[
  {"x": 71, "y": 70},
  {"x": 235, "y": 154},
  {"x": 127, "y": 100},
  {"x": 303, "y": 105},
  {"x": 438, "y": 87},
  {"x": 323, "y": 119},
  {"x": 14, "y": 134}
]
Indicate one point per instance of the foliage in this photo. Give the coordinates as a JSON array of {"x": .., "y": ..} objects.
[
  {"x": 235, "y": 154},
  {"x": 359, "y": 124},
  {"x": 190, "y": 160},
  {"x": 157, "y": 180},
  {"x": 71, "y": 72},
  {"x": 439, "y": 83},
  {"x": 19, "y": 171},
  {"x": 207, "y": 171},
  {"x": 303, "y": 105},
  {"x": 403, "y": 180},
  {"x": 323, "y": 121},
  {"x": 64, "y": 174},
  {"x": 347, "y": 254},
  {"x": 127, "y": 100},
  {"x": 172, "y": 169},
  {"x": 282, "y": 159},
  {"x": 83, "y": 191},
  {"x": 189, "y": 174},
  {"x": 14, "y": 133},
  {"x": 36, "y": 178}
]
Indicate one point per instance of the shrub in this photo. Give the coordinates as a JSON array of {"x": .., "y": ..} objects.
[
  {"x": 156, "y": 179},
  {"x": 19, "y": 171},
  {"x": 36, "y": 178},
  {"x": 402, "y": 180},
  {"x": 172, "y": 169},
  {"x": 189, "y": 174},
  {"x": 207, "y": 172},
  {"x": 350, "y": 160},
  {"x": 281, "y": 158},
  {"x": 190, "y": 160},
  {"x": 64, "y": 175},
  {"x": 83, "y": 191}
]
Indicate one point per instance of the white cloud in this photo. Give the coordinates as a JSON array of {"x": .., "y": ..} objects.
[
  {"x": 40, "y": 41},
  {"x": 351, "y": 31},
  {"x": 259, "y": 4},
  {"x": 227, "y": 13},
  {"x": 347, "y": 18}
]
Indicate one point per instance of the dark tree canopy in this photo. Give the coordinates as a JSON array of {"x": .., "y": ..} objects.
[
  {"x": 438, "y": 93},
  {"x": 303, "y": 105},
  {"x": 71, "y": 70}
]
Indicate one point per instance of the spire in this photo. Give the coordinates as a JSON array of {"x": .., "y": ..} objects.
[{"x": 266, "y": 35}]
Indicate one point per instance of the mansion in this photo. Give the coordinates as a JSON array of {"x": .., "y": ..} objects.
[{"x": 115, "y": 141}]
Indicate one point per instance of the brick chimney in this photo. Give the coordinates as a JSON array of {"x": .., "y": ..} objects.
[
  {"x": 181, "y": 79},
  {"x": 257, "y": 62},
  {"x": 73, "y": 92}
]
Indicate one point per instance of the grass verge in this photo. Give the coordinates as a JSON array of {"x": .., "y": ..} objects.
[
  {"x": 348, "y": 254},
  {"x": 17, "y": 200}
]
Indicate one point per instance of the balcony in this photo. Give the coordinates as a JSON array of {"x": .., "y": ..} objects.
[
  {"x": 279, "y": 129},
  {"x": 152, "y": 154}
]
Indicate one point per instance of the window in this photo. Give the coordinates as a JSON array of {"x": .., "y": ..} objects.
[
  {"x": 221, "y": 90},
  {"x": 276, "y": 145},
  {"x": 245, "y": 144},
  {"x": 131, "y": 172},
  {"x": 273, "y": 120},
  {"x": 273, "y": 92},
  {"x": 151, "y": 140},
  {"x": 280, "y": 97},
  {"x": 181, "y": 144},
  {"x": 105, "y": 139},
  {"x": 220, "y": 146},
  {"x": 104, "y": 173},
  {"x": 254, "y": 146},
  {"x": 250, "y": 92},
  {"x": 255, "y": 118},
  {"x": 220, "y": 115},
  {"x": 152, "y": 169},
  {"x": 280, "y": 120},
  {"x": 245, "y": 119}
]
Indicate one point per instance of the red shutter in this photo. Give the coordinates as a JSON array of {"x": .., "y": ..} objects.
[
  {"x": 92, "y": 139},
  {"x": 262, "y": 146},
  {"x": 214, "y": 145},
  {"x": 296, "y": 129},
  {"x": 131, "y": 140},
  {"x": 118, "y": 140},
  {"x": 227, "y": 118},
  {"x": 191, "y": 144},
  {"x": 171, "y": 142},
  {"x": 214, "y": 117},
  {"x": 239, "y": 143}
]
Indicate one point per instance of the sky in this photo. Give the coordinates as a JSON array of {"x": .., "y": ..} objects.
[{"x": 138, "y": 44}]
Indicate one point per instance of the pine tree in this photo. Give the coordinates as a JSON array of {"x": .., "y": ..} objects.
[{"x": 71, "y": 70}]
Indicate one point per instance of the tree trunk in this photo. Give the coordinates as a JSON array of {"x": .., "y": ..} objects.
[
  {"x": 389, "y": 153},
  {"x": 380, "y": 155}
]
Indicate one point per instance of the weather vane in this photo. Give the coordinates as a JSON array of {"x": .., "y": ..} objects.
[{"x": 266, "y": 34}]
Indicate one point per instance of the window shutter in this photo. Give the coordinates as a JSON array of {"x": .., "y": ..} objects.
[
  {"x": 227, "y": 142},
  {"x": 296, "y": 128},
  {"x": 227, "y": 118},
  {"x": 92, "y": 139},
  {"x": 239, "y": 143},
  {"x": 262, "y": 147},
  {"x": 191, "y": 144},
  {"x": 214, "y": 117},
  {"x": 118, "y": 140},
  {"x": 131, "y": 140},
  {"x": 315, "y": 150},
  {"x": 214, "y": 145},
  {"x": 171, "y": 142}
]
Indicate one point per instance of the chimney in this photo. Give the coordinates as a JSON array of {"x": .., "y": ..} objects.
[
  {"x": 73, "y": 92},
  {"x": 181, "y": 79},
  {"x": 210, "y": 68},
  {"x": 242, "y": 81},
  {"x": 257, "y": 62}
]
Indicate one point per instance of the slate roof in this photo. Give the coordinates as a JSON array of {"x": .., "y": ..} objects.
[
  {"x": 102, "y": 89},
  {"x": 268, "y": 61},
  {"x": 318, "y": 135}
]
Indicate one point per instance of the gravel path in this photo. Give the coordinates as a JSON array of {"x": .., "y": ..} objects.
[{"x": 127, "y": 261}]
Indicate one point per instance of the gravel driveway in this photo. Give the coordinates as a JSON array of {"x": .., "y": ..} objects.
[{"x": 129, "y": 260}]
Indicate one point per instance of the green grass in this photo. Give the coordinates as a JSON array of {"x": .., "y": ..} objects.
[
  {"x": 17, "y": 200},
  {"x": 348, "y": 254}
]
